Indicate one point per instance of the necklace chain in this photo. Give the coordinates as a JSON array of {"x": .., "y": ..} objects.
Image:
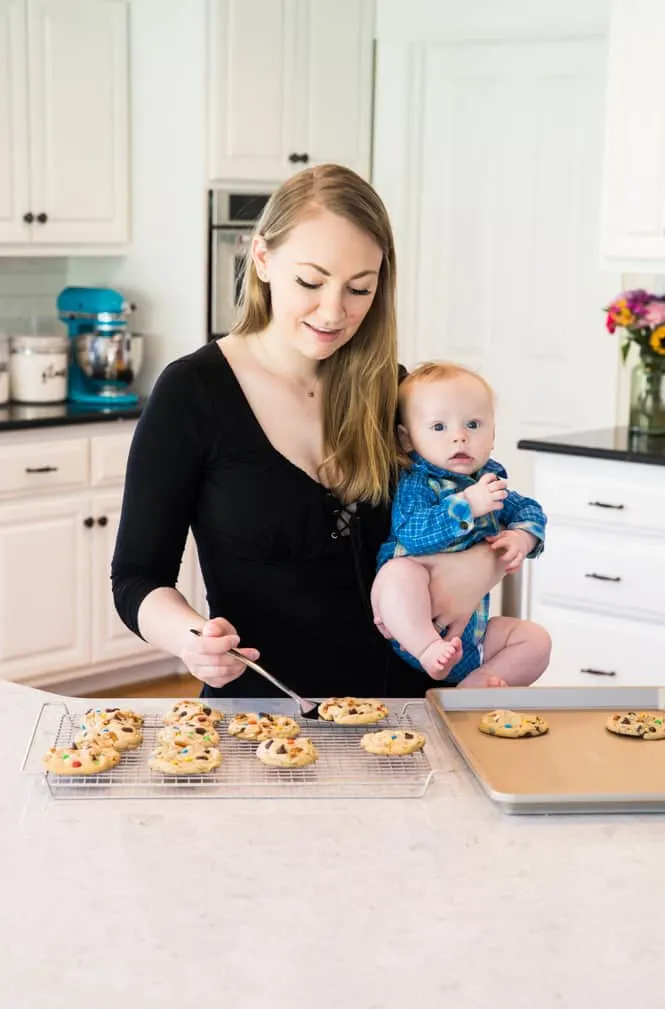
[{"x": 310, "y": 393}]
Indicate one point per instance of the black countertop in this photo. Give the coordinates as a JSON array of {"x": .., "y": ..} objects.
[
  {"x": 611, "y": 443},
  {"x": 20, "y": 417}
]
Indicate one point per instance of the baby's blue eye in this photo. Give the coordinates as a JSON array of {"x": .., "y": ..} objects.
[
  {"x": 473, "y": 424},
  {"x": 438, "y": 426}
]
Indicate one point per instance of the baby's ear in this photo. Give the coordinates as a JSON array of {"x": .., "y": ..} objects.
[{"x": 404, "y": 438}]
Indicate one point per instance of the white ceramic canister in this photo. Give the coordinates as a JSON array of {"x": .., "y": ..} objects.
[
  {"x": 4, "y": 369},
  {"x": 38, "y": 369}
]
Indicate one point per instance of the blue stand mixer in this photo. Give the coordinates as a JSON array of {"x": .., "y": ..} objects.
[{"x": 105, "y": 357}]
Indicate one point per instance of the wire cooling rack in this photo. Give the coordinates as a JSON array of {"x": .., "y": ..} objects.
[{"x": 343, "y": 769}]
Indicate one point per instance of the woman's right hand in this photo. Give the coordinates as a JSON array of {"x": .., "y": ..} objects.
[{"x": 206, "y": 654}]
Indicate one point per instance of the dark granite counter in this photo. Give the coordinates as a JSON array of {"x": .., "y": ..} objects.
[
  {"x": 611, "y": 443},
  {"x": 21, "y": 417}
]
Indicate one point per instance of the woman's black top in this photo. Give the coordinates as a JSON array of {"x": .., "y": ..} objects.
[{"x": 281, "y": 557}]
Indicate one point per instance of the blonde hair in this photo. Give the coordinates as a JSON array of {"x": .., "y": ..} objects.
[
  {"x": 359, "y": 381},
  {"x": 437, "y": 371}
]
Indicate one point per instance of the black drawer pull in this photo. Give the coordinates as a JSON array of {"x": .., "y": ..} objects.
[
  {"x": 41, "y": 469},
  {"x": 604, "y": 578},
  {"x": 603, "y": 504},
  {"x": 598, "y": 672}
]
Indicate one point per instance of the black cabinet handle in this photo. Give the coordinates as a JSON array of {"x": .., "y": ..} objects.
[
  {"x": 41, "y": 469},
  {"x": 28, "y": 218},
  {"x": 102, "y": 521},
  {"x": 598, "y": 672},
  {"x": 604, "y": 578},
  {"x": 89, "y": 522},
  {"x": 603, "y": 504},
  {"x": 298, "y": 158},
  {"x": 42, "y": 218}
]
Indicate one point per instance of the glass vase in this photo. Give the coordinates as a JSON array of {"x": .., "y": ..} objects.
[{"x": 647, "y": 397}]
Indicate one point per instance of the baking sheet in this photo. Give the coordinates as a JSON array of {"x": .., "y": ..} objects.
[{"x": 578, "y": 766}]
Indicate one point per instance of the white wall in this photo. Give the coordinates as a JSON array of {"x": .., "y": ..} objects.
[
  {"x": 29, "y": 287},
  {"x": 165, "y": 272}
]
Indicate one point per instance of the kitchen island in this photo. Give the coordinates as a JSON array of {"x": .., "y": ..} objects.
[{"x": 437, "y": 901}]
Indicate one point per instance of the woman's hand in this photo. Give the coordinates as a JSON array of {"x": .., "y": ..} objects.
[
  {"x": 206, "y": 654},
  {"x": 458, "y": 581}
]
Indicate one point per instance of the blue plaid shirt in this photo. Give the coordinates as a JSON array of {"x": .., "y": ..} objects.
[{"x": 430, "y": 515}]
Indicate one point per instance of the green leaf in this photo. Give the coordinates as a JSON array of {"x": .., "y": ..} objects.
[{"x": 625, "y": 348}]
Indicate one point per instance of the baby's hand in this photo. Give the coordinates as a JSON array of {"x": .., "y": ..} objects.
[
  {"x": 514, "y": 544},
  {"x": 487, "y": 495}
]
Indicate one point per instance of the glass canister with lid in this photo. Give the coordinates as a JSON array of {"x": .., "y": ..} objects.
[{"x": 38, "y": 368}]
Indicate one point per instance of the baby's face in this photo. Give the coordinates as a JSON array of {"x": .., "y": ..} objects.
[{"x": 450, "y": 423}]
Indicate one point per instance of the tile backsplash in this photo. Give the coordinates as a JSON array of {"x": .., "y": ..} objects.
[{"x": 29, "y": 287}]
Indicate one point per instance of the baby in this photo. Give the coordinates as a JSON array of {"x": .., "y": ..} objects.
[{"x": 453, "y": 496}]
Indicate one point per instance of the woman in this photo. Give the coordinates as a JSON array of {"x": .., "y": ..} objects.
[{"x": 276, "y": 445}]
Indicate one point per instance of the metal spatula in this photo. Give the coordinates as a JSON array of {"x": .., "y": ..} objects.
[{"x": 308, "y": 709}]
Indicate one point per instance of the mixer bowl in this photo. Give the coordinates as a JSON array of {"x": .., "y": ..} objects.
[{"x": 113, "y": 360}]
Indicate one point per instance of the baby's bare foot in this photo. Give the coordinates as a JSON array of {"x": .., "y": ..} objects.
[
  {"x": 440, "y": 656},
  {"x": 478, "y": 679}
]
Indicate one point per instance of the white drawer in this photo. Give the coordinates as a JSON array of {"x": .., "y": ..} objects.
[
  {"x": 43, "y": 466},
  {"x": 604, "y": 495},
  {"x": 594, "y": 650},
  {"x": 601, "y": 571},
  {"x": 108, "y": 458}
]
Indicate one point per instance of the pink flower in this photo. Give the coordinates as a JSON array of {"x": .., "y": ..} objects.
[{"x": 654, "y": 313}]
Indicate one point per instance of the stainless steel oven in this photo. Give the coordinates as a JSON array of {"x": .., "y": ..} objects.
[{"x": 232, "y": 214}]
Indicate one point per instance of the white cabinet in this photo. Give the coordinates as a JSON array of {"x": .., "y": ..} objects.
[
  {"x": 14, "y": 181},
  {"x": 633, "y": 191},
  {"x": 57, "y": 617},
  {"x": 110, "y": 638},
  {"x": 64, "y": 148},
  {"x": 598, "y": 586},
  {"x": 290, "y": 84},
  {"x": 44, "y": 586}
]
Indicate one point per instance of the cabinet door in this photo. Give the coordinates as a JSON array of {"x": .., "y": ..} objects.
[
  {"x": 334, "y": 96},
  {"x": 79, "y": 120},
  {"x": 633, "y": 204},
  {"x": 44, "y": 587},
  {"x": 252, "y": 88},
  {"x": 110, "y": 638},
  {"x": 14, "y": 183}
]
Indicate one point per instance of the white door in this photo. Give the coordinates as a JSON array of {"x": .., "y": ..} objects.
[
  {"x": 14, "y": 133},
  {"x": 79, "y": 120},
  {"x": 110, "y": 638},
  {"x": 633, "y": 217},
  {"x": 44, "y": 587},
  {"x": 498, "y": 225},
  {"x": 335, "y": 56},
  {"x": 252, "y": 82}
]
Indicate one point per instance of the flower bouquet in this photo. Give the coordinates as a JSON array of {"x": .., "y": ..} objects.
[{"x": 642, "y": 318}]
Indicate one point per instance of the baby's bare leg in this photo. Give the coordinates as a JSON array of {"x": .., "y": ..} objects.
[
  {"x": 516, "y": 653},
  {"x": 403, "y": 611}
]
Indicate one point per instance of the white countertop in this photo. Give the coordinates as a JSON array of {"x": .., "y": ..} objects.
[{"x": 441, "y": 901}]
